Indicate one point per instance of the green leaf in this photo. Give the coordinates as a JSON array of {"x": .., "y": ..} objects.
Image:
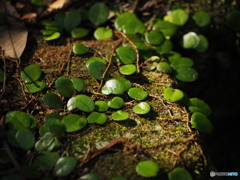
[
  {"x": 47, "y": 32},
  {"x": 137, "y": 93},
  {"x": 187, "y": 74},
  {"x": 203, "y": 44},
  {"x": 141, "y": 108},
  {"x": 172, "y": 95},
  {"x": 38, "y": 2},
  {"x": 139, "y": 43},
  {"x": 93, "y": 59},
  {"x": 90, "y": 176},
  {"x": 84, "y": 103},
  {"x": 190, "y": 40},
  {"x": 178, "y": 17},
  {"x": 133, "y": 26},
  {"x": 64, "y": 86},
  {"x": 64, "y": 166},
  {"x": 98, "y": 13},
  {"x": 179, "y": 174},
  {"x": 46, "y": 143},
  {"x": 127, "y": 69},
  {"x": 33, "y": 121},
  {"x": 120, "y": 115},
  {"x": 127, "y": 55},
  {"x": 233, "y": 20},
  {"x": 182, "y": 62},
  {"x": 165, "y": 47},
  {"x": 173, "y": 55},
  {"x": 198, "y": 105},
  {"x": 201, "y": 18},
  {"x": 17, "y": 120},
  {"x": 123, "y": 18},
  {"x": 74, "y": 122},
  {"x": 101, "y": 106},
  {"x": 200, "y": 122},
  {"x": 11, "y": 137},
  {"x": 30, "y": 171},
  {"x": 155, "y": 37},
  {"x": 1, "y": 76},
  {"x": 103, "y": 33},
  {"x": 167, "y": 28},
  {"x": 79, "y": 49},
  {"x": 118, "y": 178},
  {"x": 71, "y": 104},
  {"x": 164, "y": 67},
  {"x": 147, "y": 169},
  {"x": 79, "y": 32},
  {"x": 52, "y": 100},
  {"x": 54, "y": 36},
  {"x": 54, "y": 126},
  {"x": 72, "y": 19},
  {"x": 113, "y": 86},
  {"x": 59, "y": 19},
  {"x": 46, "y": 161},
  {"x": 96, "y": 69},
  {"x": 25, "y": 139},
  {"x": 53, "y": 116},
  {"x": 126, "y": 83},
  {"x": 96, "y": 117},
  {"x": 78, "y": 84},
  {"x": 35, "y": 86},
  {"x": 116, "y": 103},
  {"x": 31, "y": 73}
]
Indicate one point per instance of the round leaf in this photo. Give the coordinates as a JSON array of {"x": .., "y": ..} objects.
[
  {"x": 164, "y": 67},
  {"x": 116, "y": 103},
  {"x": 78, "y": 84},
  {"x": 167, "y": 28},
  {"x": 25, "y": 139},
  {"x": 46, "y": 161},
  {"x": 126, "y": 83},
  {"x": 123, "y": 18},
  {"x": 98, "y": 13},
  {"x": 139, "y": 43},
  {"x": 201, "y": 18},
  {"x": 46, "y": 143},
  {"x": 137, "y": 93},
  {"x": 30, "y": 171},
  {"x": 92, "y": 59},
  {"x": 84, "y": 103},
  {"x": 173, "y": 55},
  {"x": 35, "y": 86},
  {"x": 141, "y": 108},
  {"x": 154, "y": 37},
  {"x": 103, "y": 33},
  {"x": 54, "y": 126},
  {"x": 201, "y": 122},
  {"x": 182, "y": 62},
  {"x": 52, "y": 100},
  {"x": 74, "y": 122},
  {"x": 79, "y": 32},
  {"x": 72, "y": 19},
  {"x": 178, "y": 17},
  {"x": 198, "y": 105},
  {"x": 173, "y": 95},
  {"x": 147, "y": 169},
  {"x": 203, "y": 44},
  {"x": 126, "y": 54},
  {"x": 101, "y": 106},
  {"x": 96, "y": 69},
  {"x": 96, "y": 117},
  {"x": 80, "y": 49},
  {"x": 190, "y": 40},
  {"x": 52, "y": 37},
  {"x": 64, "y": 166},
  {"x": 165, "y": 47},
  {"x": 127, "y": 69},
  {"x": 187, "y": 74},
  {"x": 120, "y": 115},
  {"x": 113, "y": 86},
  {"x": 18, "y": 120},
  {"x": 133, "y": 26},
  {"x": 64, "y": 87},
  {"x": 179, "y": 174},
  {"x": 233, "y": 20},
  {"x": 31, "y": 73}
]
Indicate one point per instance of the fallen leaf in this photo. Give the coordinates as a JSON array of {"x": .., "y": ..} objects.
[
  {"x": 29, "y": 16},
  {"x": 58, "y": 4},
  {"x": 13, "y": 34}
]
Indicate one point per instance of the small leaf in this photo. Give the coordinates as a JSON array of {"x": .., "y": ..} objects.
[
  {"x": 201, "y": 122},
  {"x": 18, "y": 120},
  {"x": 52, "y": 100},
  {"x": 173, "y": 55},
  {"x": 25, "y": 139},
  {"x": 165, "y": 47},
  {"x": 167, "y": 28},
  {"x": 116, "y": 103},
  {"x": 126, "y": 54},
  {"x": 198, "y": 105},
  {"x": 72, "y": 19},
  {"x": 80, "y": 49},
  {"x": 182, "y": 62},
  {"x": 64, "y": 166},
  {"x": 178, "y": 17},
  {"x": 79, "y": 32},
  {"x": 137, "y": 93},
  {"x": 55, "y": 35},
  {"x": 173, "y": 95},
  {"x": 187, "y": 74},
  {"x": 147, "y": 169},
  {"x": 164, "y": 67},
  {"x": 101, "y": 106},
  {"x": 141, "y": 108},
  {"x": 126, "y": 83},
  {"x": 127, "y": 69},
  {"x": 74, "y": 122},
  {"x": 201, "y": 18},
  {"x": 120, "y": 115},
  {"x": 78, "y": 84},
  {"x": 46, "y": 161},
  {"x": 96, "y": 117},
  {"x": 71, "y": 104},
  {"x": 47, "y": 32},
  {"x": 179, "y": 174},
  {"x": 92, "y": 59},
  {"x": 96, "y": 69},
  {"x": 190, "y": 40},
  {"x": 203, "y": 44},
  {"x": 98, "y": 13},
  {"x": 64, "y": 87},
  {"x": 233, "y": 20},
  {"x": 154, "y": 37},
  {"x": 133, "y": 26},
  {"x": 84, "y": 103},
  {"x": 46, "y": 143},
  {"x": 103, "y": 33},
  {"x": 122, "y": 18},
  {"x": 54, "y": 126},
  {"x": 113, "y": 86},
  {"x": 90, "y": 176},
  {"x": 31, "y": 73},
  {"x": 35, "y": 86}
]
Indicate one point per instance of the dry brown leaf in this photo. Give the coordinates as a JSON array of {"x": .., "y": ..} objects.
[
  {"x": 58, "y": 4},
  {"x": 29, "y": 16},
  {"x": 13, "y": 34}
]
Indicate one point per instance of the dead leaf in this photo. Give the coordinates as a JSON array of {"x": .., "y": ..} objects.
[
  {"x": 58, "y": 4},
  {"x": 13, "y": 34},
  {"x": 29, "y": 16}
]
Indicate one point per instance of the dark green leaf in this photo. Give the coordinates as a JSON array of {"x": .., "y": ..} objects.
[
  {"x": 201, "y": 122},
  {"x": 53, "y": 116},
  {"x": 25, "y": 139},
  {"x": 198, "y": 105},
  {"x": 90, "y": 176},
  {"x": 64, "y": 166},
  {"x": 64, "y": 87},
  {"x": 139, "y": 43},
  {"x": 187, "y": 74},
  {"x": 72, "y": 19},
  {"x": 31, "y": 73},
  {"x": 98, "y": 13},
  {"x": 92, "y": 59},
  {"x": 74, "y": 122},
  {"x": 233, "y": 20},
  {"x": 126, "y": 54},
  {"x": 11, "y": 137},
  {"x": 96, "y": 117},
  {"x": 96, "y": 69},
  {"x": 203, "y": 44},
  {"x": 84, "y": 103},
  {"x": 80, "y": 49},
  {"x": 18, "y": 120},
  {"x": 147, "y": 169},
  {"x": 54, "y": 126},
  {"x": 179, "y": 174},
  {"x": 52, "y": 100},
  {"x": 182, "y": 62},
  {"x": 46, "y": 161},
  {"x": 165, "y": 47}
]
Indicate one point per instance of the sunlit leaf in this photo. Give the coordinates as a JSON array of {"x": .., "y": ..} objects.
[
  {"x": 96, "y": 117},
  {"x": 133, "y": 26},
  {"x": 178, "y": 17},
  {"x": 54, "y": 36},
  {"x": 164, "y": 67},
  {"x": 79, "y": 49},
  {"x": 120, "y": 115},
  {"x": 122, "y": 18},
  {"x": 116, "y": 103},
  {"x": 128, "y": 69},
  {"x": 84, "y": 103},
  {"x": 31, "y": 73},
  {"x": 78, "y": 84},
  {"x": 190, "y": 40},
  {"x": 147, "y": 169},
  {"x": 167, "y": 28},
  {"x": 74, "y": 122},
  {"x": 154, "y": 37},
  {"x": 141, "y": 108},
  {"x": 101, "y": 106},
  {"x": 35, "y": 86},
  {"x": 113, "y": 86},
  {"x": 137, "y": 93},
  {"x": 103, "y": 33},
  {"x": 172, "y": 95}
]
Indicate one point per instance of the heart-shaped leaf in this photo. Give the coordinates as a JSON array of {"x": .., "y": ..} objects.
[
  {"x": 187, "y": 74},
  {"x": 96, "y": 117},
  {"x": 64, "y": 87},
  {"x": 18, "y": 120},
  {"x": 179, "y": 173},
  {"x": 79, "y": 32},
  {"x": 126, "y": 54},
  {"x": 127, "y": 69},
  {"x": 80, "y": 49},
  {"x": 101, "y": 106},
  {"x": 25, "y": 139},
  {"x": 120, "y": 115},
  {"x": 165, "y": 47},
  {"x": 103, "y": 33},
  {"x": 147, "y": 169},
  {"x": 154, "y": 37},
  {"x": 198, "y": 105},
  {"x": 133, "y": 26},
  {"x": 72, "y": 19},
  {"x": 64, "y": 166},
  {"x": 52, "y": 100},
  {"x": 178, "y": 17},
  {"x": 116, "y": 103},
  {"x": 164, "y": 67},
  {"x": 113, "y": 86},
  {"x": 167, "y": 28},
  {"x": 141, "y": 108},
  {"x": 46, "y": 161},
  {"x": 31, "y": 73},
  {"x": 46, "y": 143},
  {"x": 78, "y": 84},
  {"x": 84, "y": 103},
  {"x": 35, "y": 86},
  {"x": 137, "y": 93},
  {"x": 201, "y": 18},
  {"x": 74, "y": 122},
  {"x": 173, "y": 95},
  {"x": 182, "y": 62},
  {"x": 98, "y": 13},
  {"x": 54, "y": 126},
  {"x": 201, "y": 122},
  {"x": 126, "y": 83},
  {"x": 96, "y": 69},
  {"x": 123, "y": 18}
]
